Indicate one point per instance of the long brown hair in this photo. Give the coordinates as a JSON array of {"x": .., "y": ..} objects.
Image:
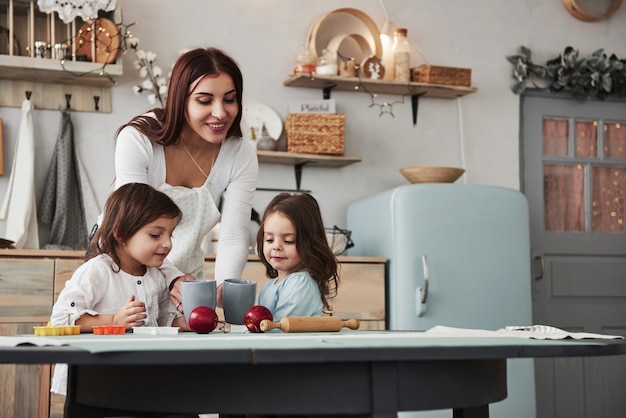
[
  {"x": 311, "y": 243},
  {"x": 189, "y": 67},
  {"x": 126, "y": 211}
]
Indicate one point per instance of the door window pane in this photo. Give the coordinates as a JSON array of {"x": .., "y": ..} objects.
[
  {"x": 586, "y": 139},
  {"x": 615, "y": 140},
  {"x": 564, "y": 197},
  {"x": 555, "y": 137},
  {"x": 607, "y": 202}
]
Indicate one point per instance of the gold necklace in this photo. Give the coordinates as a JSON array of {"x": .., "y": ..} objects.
[{"x": 215, "y": 152}]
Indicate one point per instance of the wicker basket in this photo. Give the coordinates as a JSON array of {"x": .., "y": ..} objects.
[
  {"x": 449, "y": 76},
  {"x": 315, "y": 133}
]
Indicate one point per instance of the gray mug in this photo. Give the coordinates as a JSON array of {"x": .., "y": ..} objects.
[
  {"x": 197, "y": 293},
  {"x": 238, "y": 296}
]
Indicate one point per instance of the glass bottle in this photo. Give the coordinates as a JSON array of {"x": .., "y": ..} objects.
[
  {"x": 401, "y": 55},
  {"x": 327, "y": 63},
  {"x": 305, "y": 60}
]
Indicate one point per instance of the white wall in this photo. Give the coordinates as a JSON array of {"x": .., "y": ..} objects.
[{"x": 264, "y": 35}]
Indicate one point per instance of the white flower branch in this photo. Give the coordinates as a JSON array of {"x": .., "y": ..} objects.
[{"x": 155, "y": 84}]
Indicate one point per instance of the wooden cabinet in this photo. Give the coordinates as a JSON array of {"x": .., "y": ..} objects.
[
  {"x": 26, "y": 298},
  {"x": 30, "y": 281}
]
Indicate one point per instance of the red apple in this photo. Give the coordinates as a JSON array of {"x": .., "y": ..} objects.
[
  {"x": 202, "y": 320},
  {"x": 252, "y": 319}
]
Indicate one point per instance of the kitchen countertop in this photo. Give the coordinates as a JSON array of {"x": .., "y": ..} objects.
[{"x": 7, "y": 252}]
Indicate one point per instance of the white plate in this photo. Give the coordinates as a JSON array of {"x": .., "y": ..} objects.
[
  {"x": 255, "y": 115},
  {"x": 155, "y": 330},
  {"x": 340, "y": 22}
]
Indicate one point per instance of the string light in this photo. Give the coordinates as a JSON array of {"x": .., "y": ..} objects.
[
  {"x": 385, "y": 107},
  {"x": 124, "y": 34}
]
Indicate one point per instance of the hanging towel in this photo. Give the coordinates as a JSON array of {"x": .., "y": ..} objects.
[
  {"x": 19, "y": 208},
  {"x": 92, "y": 208},
  {"x": 61, "y": 207}
]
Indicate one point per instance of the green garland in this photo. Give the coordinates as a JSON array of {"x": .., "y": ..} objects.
[{"x": 597, "y": 76}]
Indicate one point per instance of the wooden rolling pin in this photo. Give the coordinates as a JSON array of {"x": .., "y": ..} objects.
[{"x": 309, "y": 324}]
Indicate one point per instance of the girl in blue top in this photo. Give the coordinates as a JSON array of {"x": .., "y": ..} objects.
[{"x": 302, "y": 268}]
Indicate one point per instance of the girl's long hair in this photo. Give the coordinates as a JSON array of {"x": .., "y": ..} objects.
[{"x": 311, "y": 243}]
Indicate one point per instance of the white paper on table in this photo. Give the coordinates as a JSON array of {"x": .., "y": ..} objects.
[
  {"x": 14, "y": 341},
  {"x": 538, "y": 332},
  {"x": 545, "y": 332}
]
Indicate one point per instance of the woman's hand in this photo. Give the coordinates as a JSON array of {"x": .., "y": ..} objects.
[
  {"x": 132, "y": 314},
  {"x": 220, "y": 291},
  {"x": 175, "y": 293}
]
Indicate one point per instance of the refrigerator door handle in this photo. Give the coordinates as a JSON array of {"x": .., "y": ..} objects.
[
  {"x": 421, "y": 294},
  {"x": 538, "y": 262}
]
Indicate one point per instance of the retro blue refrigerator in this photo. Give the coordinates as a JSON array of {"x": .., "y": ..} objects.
[{"x": 472, "y": 244}]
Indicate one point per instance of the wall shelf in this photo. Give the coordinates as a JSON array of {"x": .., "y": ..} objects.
[
  {"x": 52, "y": 71},
  {"x": 299, "y": 160},
  {"x": 328, "y": 83},
  {"x": 49, "y": 83},
  {"x": 294, "y": 158},
  {"x": 83, "y": 77}
]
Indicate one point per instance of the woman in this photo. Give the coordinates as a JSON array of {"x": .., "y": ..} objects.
[{"x": 192, "y": 150}]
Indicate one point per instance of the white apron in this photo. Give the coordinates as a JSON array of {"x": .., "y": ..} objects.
[{"x": 200, "y": 215}]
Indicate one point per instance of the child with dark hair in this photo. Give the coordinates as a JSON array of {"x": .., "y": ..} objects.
[
  {"x": 122, "y": 283},
  {"x": 302, "y": 268}
]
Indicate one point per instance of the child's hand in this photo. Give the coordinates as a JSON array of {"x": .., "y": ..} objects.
[
  {"x": 181, "y": 323},
  {"x": 132, "y": 314},
  {"x": 175, "y": 292}
]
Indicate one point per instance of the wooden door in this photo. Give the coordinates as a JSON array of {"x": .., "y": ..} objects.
[{"x": 574, "y": 176}]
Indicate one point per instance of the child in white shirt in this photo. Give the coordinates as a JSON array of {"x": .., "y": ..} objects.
[{"x": 123, "y": 285}]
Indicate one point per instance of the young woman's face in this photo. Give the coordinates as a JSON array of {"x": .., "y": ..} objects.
[
  {"x": 148, "y": 247},
  {"x": 211, "y": 108},
  {"x": 279, "y": 245}
]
